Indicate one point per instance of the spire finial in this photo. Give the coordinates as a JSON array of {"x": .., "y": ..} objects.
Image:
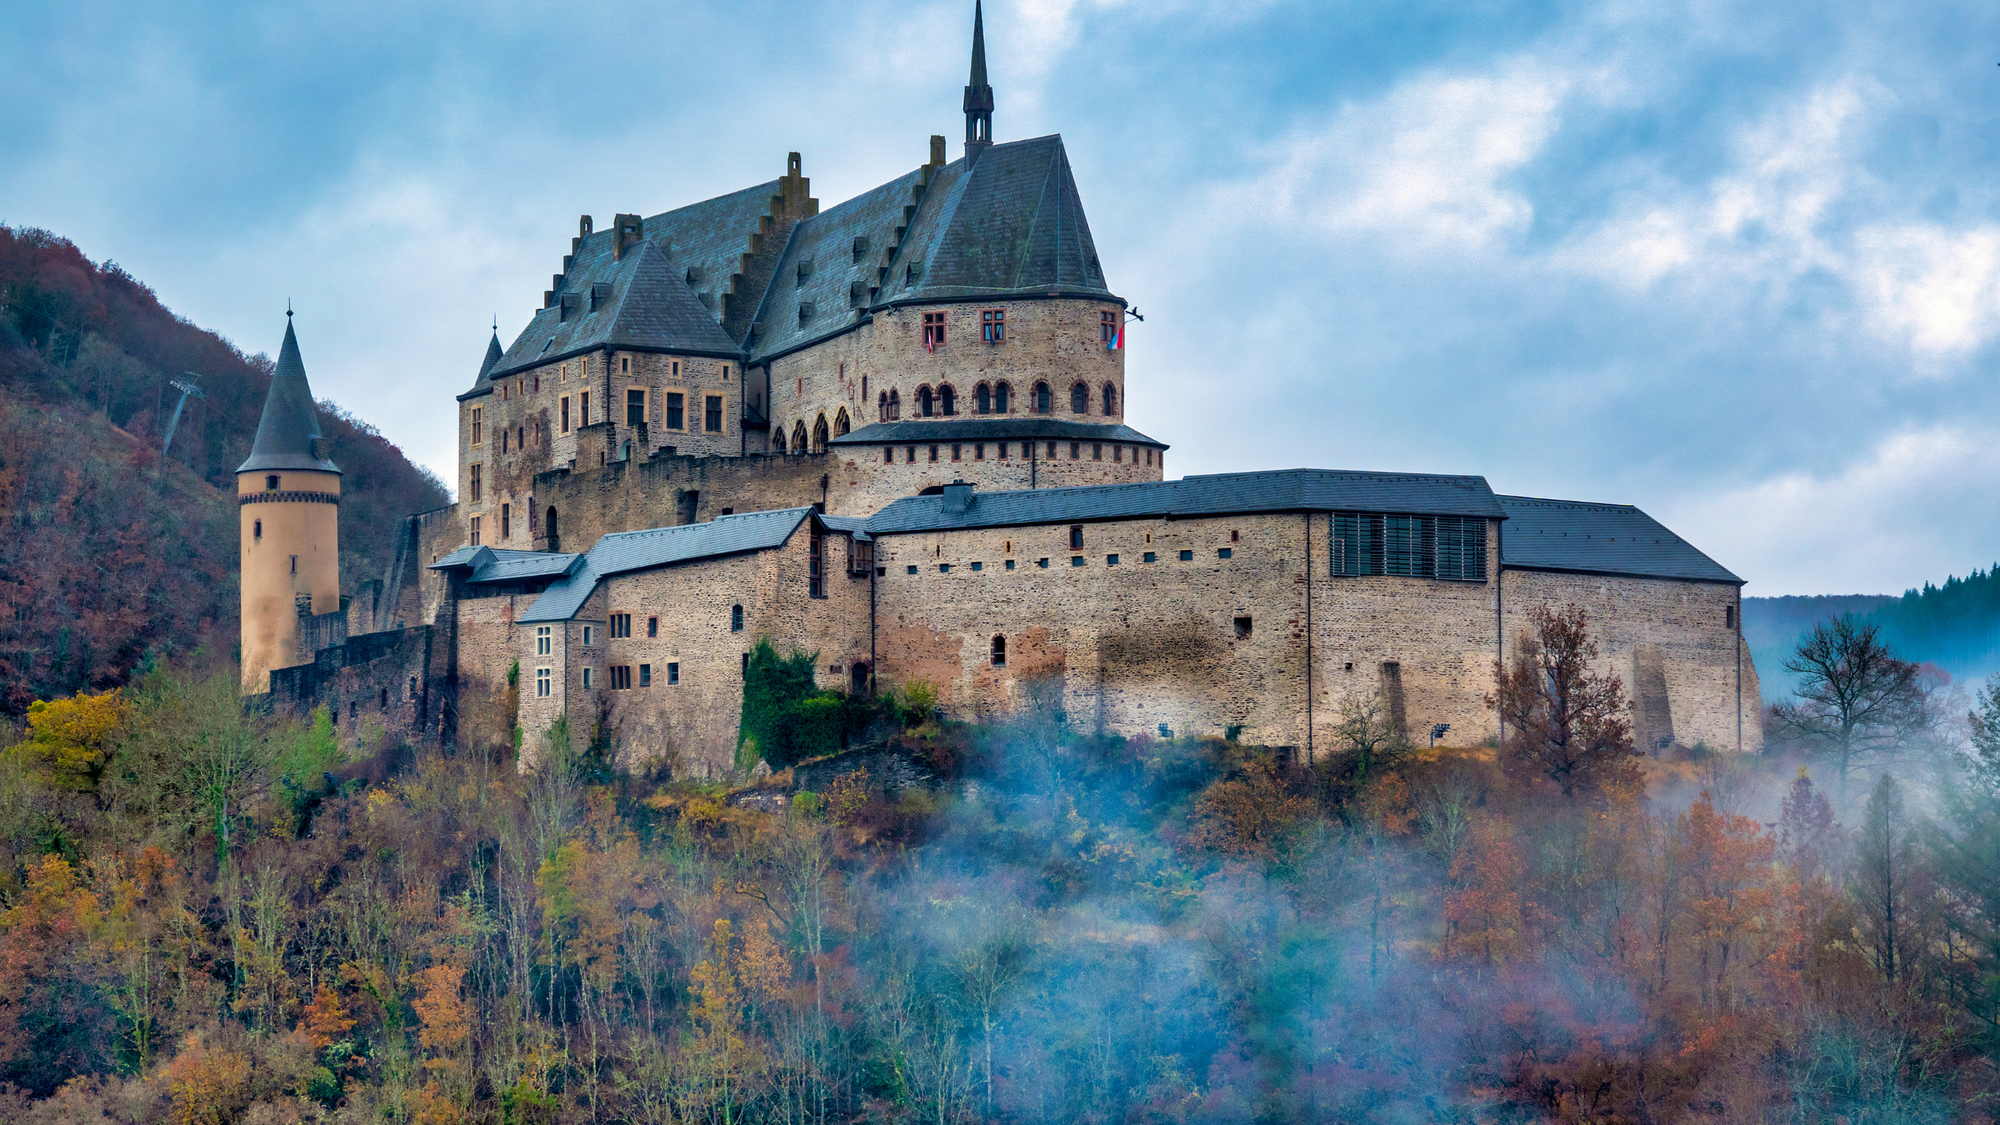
[
  {"x": 978, "y": 95},
  {"x": 288, "y": 308}
]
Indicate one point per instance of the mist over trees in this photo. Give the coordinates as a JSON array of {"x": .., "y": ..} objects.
[
  {"x": 110, "y": 553},
  {"x": 208, "y": 915},
  {"x": 1954, "y": 625}
]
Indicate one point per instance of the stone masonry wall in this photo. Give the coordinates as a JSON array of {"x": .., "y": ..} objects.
[
  {"x": 1697, "y": 644},
  {"x": 693, "y": 723},
  {"x": 1137, "y": 644},
  {"x": 1058, "y": 341}
]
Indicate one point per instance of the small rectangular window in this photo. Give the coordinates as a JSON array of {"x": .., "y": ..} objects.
[
  {"x": 1096, "y": 451},
  {"x": 979, "y": 566},
  {"x": 1076, "y": 537},
  {"x": 1223, "y": 553},
  {"x": 565, "y": 414},
  {"x": 954, "y": 451},
  {"x": 1729, "y": 617},
  {"x": 621, "y": 625},
  {"x": 1010, "y": 564},
  {"x": 944, "y": 568},
  {"x": 475, "y": 530},
  {"x": 271, "y": 484},
  {"x": 912, "y": 569},
  {"x": 506, "y": 521},
  {"x": 1043, "y": 563},
  {"x": 621, "y": 677},
  {"x": 673, "y": 673},
  {"x": 676, "y": 410},
  {"x": 933, "y": 331},
  {"x": 543, "y": 678},
  {"x": 1076, "y": 451},
  {"x": 746, "y": 665},
  {"x": 586, "y": 679},
  {"x": 979, "y": 451},
  {"x": 1111, "y": 560},
  {"x": 583, "y": 409},
  {"x": 993, "y": 325},
  {"x": 589, "y": 634},
  {"x": 1187, "y": 556},
  {"x": 1242, "y": 628},
  {"x": 652, "y": 626},
  {"x": 635, "y": 406},
  {"x": 542, "y": 640},
  {"x": 933, "y": 452},
  {"x": 712, "y": 414},
  {"x": 475, "y": 482},
  {"x": 1150, "y": 557},
  {"x": 645, "y": 675},
  {"x": 478, "y": 430},
  {"x": 1107, "y": 326},
  {"x": 1076, "y": 560}
]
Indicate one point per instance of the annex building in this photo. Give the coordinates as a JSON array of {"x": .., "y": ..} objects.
[{"x": 892, "y": 432}]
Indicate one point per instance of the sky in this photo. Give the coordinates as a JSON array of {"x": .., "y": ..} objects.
[{"x": 1735, "y": 263}]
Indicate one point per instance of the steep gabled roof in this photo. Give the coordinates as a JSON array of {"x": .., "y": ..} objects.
[
  {"x": 1285, "y": 490},
  {"x": 1576, "y": 535},
  {"x": 639, "y": 302},
  {"x": 664, "y": 546},
  {"x": 288, "y": 433},
  {"x": 825, "y": 244},
  {"x": 1011, "y": 224}
]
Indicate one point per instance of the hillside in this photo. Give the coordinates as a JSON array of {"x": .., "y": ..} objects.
[
  {"x": 111, "y": 555},
  {"x": 1955, "y": 625}
]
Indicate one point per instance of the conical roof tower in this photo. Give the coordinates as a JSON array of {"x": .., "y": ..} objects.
[{"x": 289, "y": 437}]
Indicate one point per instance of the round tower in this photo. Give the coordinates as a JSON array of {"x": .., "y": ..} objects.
[{"x": 288, "y": 497}]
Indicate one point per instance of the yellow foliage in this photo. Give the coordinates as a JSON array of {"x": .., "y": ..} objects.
[
  {"x": 72, "y": 736},
  {"x": 206, "y": 1086}
]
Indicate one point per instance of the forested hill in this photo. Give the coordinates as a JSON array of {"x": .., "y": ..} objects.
[
  {"x": 108, "y": 555},
  {"x": 1955, "y": 625}
]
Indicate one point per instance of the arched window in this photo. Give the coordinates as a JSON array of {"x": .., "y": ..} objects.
[
  {"x": 1110, "y": 400},
  {"x": 999, "y": 651},
  {"x": 1079, "y": 399},
  {"x": 1042, "y": 403},
  {"x": 840, "y": 426},
  {"x": 799, "y": 436},
  {"x": 982, "y": 399},
  {"x": 895, "y": 405},
  {"x": 819, "y": 434},
  {"x": 882, "y": 407},
  {"x": 778, "y": 441},
  {"x": 947, "y": 400},
  {"x": 924, "y": 402},
  {"x": 736, "y": 619},
  {"x": 1003, "y": 399}
]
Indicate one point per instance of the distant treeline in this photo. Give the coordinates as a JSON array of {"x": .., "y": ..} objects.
[
  {"x": 108, "y": 555},
  {"x": 1955, "y": 625}
]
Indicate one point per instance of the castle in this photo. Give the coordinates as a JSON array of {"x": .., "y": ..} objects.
[{"x": 891, "y": 433}]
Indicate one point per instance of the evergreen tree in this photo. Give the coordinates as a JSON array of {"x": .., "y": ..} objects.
[{"x": 1965, "y": 844}]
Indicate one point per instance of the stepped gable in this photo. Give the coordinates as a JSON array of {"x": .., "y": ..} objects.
[
  {"x": 288, "y": 435},
  {"x": 794, "y": 313},
  {"x": 1587, "y": 538},
  {"x": 1008, "y": 225},
  {"x": 640, "y": 302},
  {"x": 1282, "y": 490},
  {"x": 664, "y": 546}
]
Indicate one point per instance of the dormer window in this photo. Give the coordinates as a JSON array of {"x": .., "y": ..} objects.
[{"x": 805, "y": 271}]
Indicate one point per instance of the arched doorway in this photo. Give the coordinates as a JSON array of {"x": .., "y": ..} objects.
[{"x": 858, "y": 677}]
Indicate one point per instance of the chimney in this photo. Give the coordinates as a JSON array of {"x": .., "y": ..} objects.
[{"x": 957, "y": 497}]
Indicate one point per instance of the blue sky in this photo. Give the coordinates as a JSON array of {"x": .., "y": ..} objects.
[{"x": 1737, "y": 263}]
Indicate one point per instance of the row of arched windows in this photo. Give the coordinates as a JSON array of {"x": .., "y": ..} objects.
[
  {"x": 815, "y": 440},
  {"x": 992, "y": 398}
]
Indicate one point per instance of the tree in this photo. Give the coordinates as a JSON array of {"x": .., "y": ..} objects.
[
  {"x": 1888, "y": 882},
  {"x": 1855, "y": 697},
  {"x": 1365, "y": 743},
  {"x": 1965, "y": 859},
  {"x": 1563, "y": 721}
]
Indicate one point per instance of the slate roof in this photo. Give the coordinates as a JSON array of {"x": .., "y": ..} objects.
[
  {"x": 856, "y": 526},
  {"x": 489, "y": 564},
  {"x": 1285, "y": 490},
  {"x": 290, "y": 426},
  {"x": 1010, "y": 226},
  {"x": 665, "y": 546},
  {"x": 976, "y": 428},
  {"x": 1575, "y": 535},
  {"x": 493, "y": 353},
  {"x": 641, "y": 302},
  {"x": 825, "y": 244}
]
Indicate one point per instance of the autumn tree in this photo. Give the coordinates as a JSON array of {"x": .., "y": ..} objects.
[
  {"x": 1855, "y": 698},
  {"x": 1562, "y": 720},
  {"x": 1965, "y": 858},
  {"x": 71, "y": 737}
]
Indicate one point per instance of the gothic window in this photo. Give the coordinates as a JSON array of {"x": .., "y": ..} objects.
[
  {"x": 925, "y": 403},
  {"x": 982, "y": 399},
  {"x": 882, "y": 407},
  {"x": 1110, "y": 400},
  {"x": 895, "y": 405},
  {"x": 840, "y": 425},
  {"x": 799, "y": 436},
  {"x": 947, "y": 400},
  {"x": 778, "y": 441},
  {"x": 1042, "y": 399},
  {"x": 736, "y": 619},
  {"x": 1003, "y": 396},
  {"x": 819, "y": 435},
  {"x": 1079, "y": 399}
]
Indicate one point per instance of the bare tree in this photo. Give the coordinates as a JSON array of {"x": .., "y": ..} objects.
[
  {"x": 1563, "y": 721},
  {"x": 1855, "y": 697}
]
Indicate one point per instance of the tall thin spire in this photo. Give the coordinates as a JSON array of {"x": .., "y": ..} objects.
[
  {"x": 288, "y": 435},
  {"x": 978, "y": 95}
]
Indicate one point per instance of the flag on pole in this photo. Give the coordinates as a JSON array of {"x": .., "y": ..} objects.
[{"x": 1117, "y": 340}]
